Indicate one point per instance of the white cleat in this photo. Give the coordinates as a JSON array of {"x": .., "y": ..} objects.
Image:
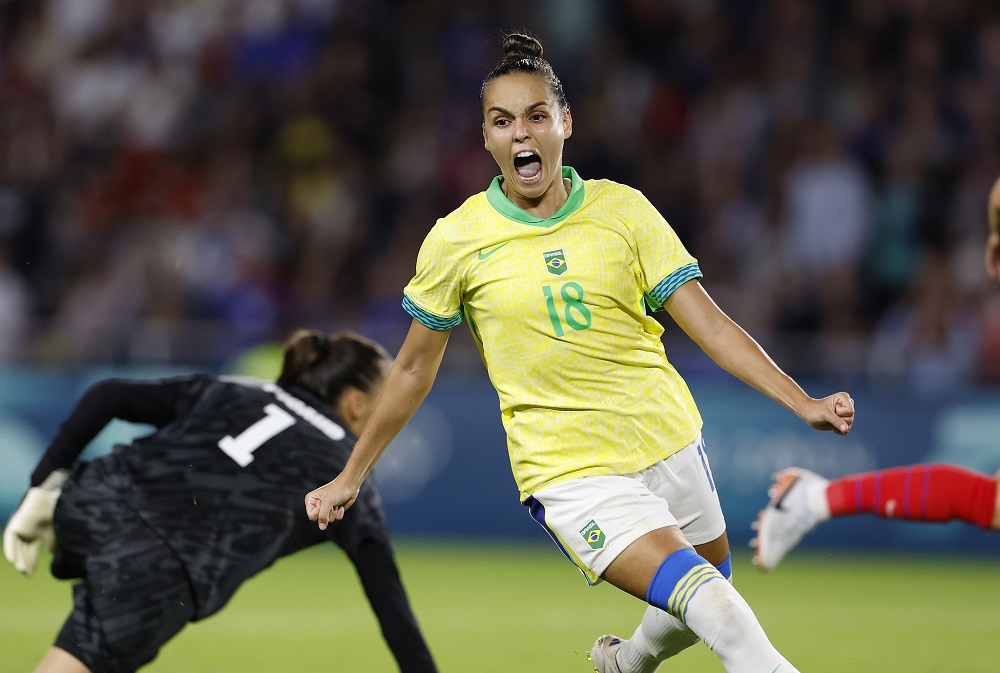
[
  {"x": 789, "y": 515},
  {"x": 603, "y": 654}
]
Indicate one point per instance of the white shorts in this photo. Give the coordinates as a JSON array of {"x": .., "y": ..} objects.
[{"x": 593, "y": 519}]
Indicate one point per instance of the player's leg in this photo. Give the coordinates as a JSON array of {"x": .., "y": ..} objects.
[
  {"x": 126, "y": 609},
  {"x": 797, "y": 504},
  {"x": 134, "y": 595},
  {"x": 58, "y": 660},
  {"x": 935, "y": 493},
  {"x": 616, "y": 528},
  {"x": 592, "y": 520},
  {"x": 663, "y": 569},
  {"x": 659, "y": 634},
  {"x": 685, "y": 481},
  {"x": 995, "y": 524}
]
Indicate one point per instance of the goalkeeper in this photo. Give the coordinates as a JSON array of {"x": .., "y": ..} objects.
[{"x": 162, "y": 532}]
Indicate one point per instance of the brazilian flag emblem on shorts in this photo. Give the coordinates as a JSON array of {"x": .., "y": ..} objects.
[
  {"x": 593, "y": 534},
  {"x": 555, "y": 261}
]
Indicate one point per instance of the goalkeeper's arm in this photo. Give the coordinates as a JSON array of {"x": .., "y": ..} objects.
[{"x": 153, "y": 402}]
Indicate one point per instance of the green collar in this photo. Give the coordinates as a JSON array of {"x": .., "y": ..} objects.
[{"x": 503, "y": 205}]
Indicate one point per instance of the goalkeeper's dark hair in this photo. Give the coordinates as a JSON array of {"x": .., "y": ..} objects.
[
  {"x": 522, "y": 52},
  {"x": 326, "y": 365}
]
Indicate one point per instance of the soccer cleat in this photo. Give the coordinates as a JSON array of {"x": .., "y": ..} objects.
[
  {"x": 603, "y": 654},
  {"x": 789, "y": 515}
]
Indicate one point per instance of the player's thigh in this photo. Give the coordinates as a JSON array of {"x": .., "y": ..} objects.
[
  {"x": 134, "y": 597},
  {"x": 685, "y": 482},
  {"x": 594, "y": 519},
  {"x": 635, "y": 567},
  {"x": 91, "y": 513}
]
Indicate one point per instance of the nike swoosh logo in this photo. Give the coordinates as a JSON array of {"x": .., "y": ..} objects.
[
  {"x": 781, "y": 501},
  {"x": 484, "y": 255}
]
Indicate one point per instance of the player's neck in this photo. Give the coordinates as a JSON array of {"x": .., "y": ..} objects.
[{"x": 546, "y": 205}]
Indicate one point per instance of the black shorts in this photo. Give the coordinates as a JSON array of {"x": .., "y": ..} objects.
[{"x": 133, "y": 594}]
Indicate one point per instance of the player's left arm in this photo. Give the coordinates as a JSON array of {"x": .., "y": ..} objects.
[
  {"x": 406, "y": 385},
  {"x": 739, "y": 354},
  {"x": 993, "y": 238}
]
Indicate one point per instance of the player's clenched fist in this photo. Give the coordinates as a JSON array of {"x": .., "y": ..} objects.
[
  {"x": 835, "y": 412},
  {"x": 329, "y": 502}
]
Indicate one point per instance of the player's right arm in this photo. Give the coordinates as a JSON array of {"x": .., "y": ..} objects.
[
  {"x": 407, "y": 384},
  {"x": 993, "y": 240},
  {"x": 736, "y": 351}
]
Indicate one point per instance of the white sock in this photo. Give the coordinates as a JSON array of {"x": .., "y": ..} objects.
[
  {"x": 658, "y": 637},
  {"x": 723, "y": 620},
  {"x": 816, "y": 497}
]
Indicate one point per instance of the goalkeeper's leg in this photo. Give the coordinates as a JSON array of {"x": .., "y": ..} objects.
[
  {"x": 134, "y": 594},
  {"x": 58, "y": 660}
]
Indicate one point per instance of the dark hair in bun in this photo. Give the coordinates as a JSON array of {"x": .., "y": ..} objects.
[
  {"x": 326, "y": 365},
  {"x": 523, "y": 53}
]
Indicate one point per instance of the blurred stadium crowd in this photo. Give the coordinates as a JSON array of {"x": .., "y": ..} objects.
[{"x": 182, "y": 179}]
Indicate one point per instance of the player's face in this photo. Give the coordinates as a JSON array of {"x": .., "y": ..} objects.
[{"x": 524, "y": 129}]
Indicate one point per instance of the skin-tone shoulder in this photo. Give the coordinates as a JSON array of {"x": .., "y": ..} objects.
[{"x": 993, "y": 240}]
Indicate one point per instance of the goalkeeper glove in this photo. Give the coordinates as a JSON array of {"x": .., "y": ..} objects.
[{"x": 31, "y": 524}]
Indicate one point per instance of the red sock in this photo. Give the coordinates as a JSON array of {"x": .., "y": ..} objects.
[{"x": 917, "y": 493}]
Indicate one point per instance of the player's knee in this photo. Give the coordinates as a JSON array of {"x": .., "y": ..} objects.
[{"x": 678, "y": 579}]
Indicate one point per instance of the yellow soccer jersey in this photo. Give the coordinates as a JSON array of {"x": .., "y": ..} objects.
[{"x": 558, "y": 310}]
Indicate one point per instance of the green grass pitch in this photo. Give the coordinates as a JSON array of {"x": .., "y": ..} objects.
[{"x": 498, "y": 608}]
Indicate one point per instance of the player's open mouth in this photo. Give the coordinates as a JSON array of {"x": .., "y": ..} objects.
[{"x": 528, "y": 166}]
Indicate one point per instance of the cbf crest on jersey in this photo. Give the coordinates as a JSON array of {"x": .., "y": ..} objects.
[
  {"x": 593, "y": 534},
  {"x": 555, "y": 261}
]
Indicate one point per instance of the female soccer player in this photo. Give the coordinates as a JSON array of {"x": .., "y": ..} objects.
[
  {"x": 554, "y": 275},
  {"x": 162, "y": 532}
]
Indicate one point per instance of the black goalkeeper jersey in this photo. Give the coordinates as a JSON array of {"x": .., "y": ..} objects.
[{"x": 222, "y": 478}]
